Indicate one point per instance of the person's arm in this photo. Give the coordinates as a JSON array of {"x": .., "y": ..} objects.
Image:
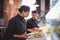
[
  {"x": 35, "y": 28},
  {"x": 30, "y": 30},
  {"x": 20, "y": 30},
  {"x": 10, "y": 29},
  {"x": 20, "y": 36}
]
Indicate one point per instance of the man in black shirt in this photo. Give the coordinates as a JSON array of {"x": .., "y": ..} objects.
[
  {"x": 32, "y": 23},
  {"x": 17, "y": 26}
]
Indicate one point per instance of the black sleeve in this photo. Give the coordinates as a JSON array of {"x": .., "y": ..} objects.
[
  {"x": 10, "y": 29},
  {"x": 21, "y": 28},
  {"x": 30, "y": 24}
]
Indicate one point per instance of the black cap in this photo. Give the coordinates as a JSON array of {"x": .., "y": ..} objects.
[{"x": 25, "y": 8}]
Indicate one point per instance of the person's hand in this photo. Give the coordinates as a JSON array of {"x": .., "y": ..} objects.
[
  {"x": 20, "y": 36},
  {"x": 35, "y": 29},
  {"x": 23, "y": 36},
  {"x": 30, "y": 30}
]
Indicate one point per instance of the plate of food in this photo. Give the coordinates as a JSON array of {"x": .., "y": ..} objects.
[
  {"x": 35, "y": 35},
  {"x": 29, "y": 34}
]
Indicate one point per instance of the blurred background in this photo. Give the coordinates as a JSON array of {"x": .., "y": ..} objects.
[{"x": 49, "y": 11}]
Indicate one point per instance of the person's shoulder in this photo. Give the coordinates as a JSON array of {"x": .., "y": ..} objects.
[
  {"x": 13, "y": 19},
  {"x": 29, "y": 20}
]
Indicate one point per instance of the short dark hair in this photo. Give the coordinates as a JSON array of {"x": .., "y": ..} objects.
[
  {"x": 24, "y": 8},
  {"x": 34, "y": 11}
]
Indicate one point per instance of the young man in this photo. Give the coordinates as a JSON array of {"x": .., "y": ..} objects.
[
  {"x": 17, "y": 26},
  {"x": 32, "y": 23}
]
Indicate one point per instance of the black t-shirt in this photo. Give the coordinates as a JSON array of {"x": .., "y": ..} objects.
[
  {"x": 16, "y": 25},
  {"x": 31, "y": 23}
]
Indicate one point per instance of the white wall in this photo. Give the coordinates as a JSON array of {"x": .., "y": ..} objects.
[{"x": 54, "y": 13}]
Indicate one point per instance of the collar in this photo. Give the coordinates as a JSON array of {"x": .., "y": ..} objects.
[{"x": 20, "y": 17}]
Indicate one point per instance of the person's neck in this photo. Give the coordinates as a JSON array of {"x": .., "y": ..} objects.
[{"x": 21, "y": 15}]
